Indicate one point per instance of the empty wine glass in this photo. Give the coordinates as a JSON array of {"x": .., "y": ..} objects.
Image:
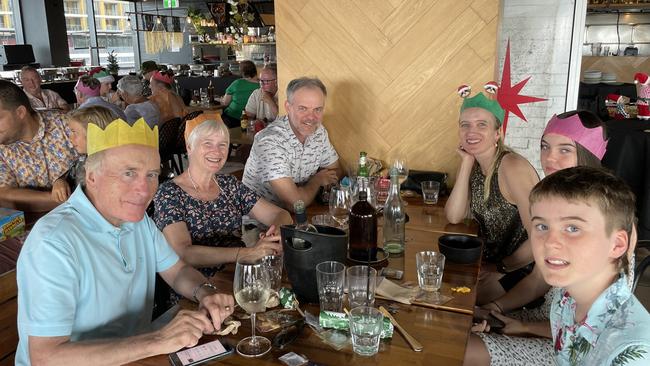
[
  {"x": 402, "y": 171},
  {"x": 252, "y": 288},
  {"x": 340, "y": 204}
]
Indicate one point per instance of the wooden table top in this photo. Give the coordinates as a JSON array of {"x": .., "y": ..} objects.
[{"x": 443, "y": 333}]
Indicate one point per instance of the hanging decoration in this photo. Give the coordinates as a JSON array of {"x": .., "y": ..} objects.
[{"x": 508, "y": 95}]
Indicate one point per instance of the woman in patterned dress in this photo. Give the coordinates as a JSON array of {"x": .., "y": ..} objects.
[{"x": 200, "y": 212}]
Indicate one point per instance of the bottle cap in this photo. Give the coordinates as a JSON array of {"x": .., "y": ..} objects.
[
  {"x": 299, "y": 206},
  {"x": 363, "y": 196}
]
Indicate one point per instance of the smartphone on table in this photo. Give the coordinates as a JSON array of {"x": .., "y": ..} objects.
[{"x": 199, "y": 354}]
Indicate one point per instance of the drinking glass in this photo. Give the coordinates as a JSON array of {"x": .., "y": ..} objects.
[
  {"x": 205, "y": 101},
  {"x": 362, "y": 281},
  {"x": 252, "y": 289},
  {"x": 430, "y": 189},
  {"x": 365, "y": 326},
  {"x": 430, "y": 266},
  {"x": 330, "y": 277},
  {"x": 273, "y": 265},
  {"x": 340, "y": 204},
  {"x": 402, "y": 171}
]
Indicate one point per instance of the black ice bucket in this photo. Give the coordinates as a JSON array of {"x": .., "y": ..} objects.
[{"x": 300, "y": 260}]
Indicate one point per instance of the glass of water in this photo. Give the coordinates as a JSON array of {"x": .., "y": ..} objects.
[
  {"x": 330, "y": 277},
  {"x": 365, "y": 326},
  {"x": 430, "y": 266}
]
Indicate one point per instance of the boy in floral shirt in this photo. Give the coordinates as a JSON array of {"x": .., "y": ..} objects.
[{"x": 582, "y": 220}]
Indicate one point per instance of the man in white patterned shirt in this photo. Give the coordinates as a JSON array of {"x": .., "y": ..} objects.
[
  {"x": 40, "y": 98},
  {"x": 293, "y": 157}
]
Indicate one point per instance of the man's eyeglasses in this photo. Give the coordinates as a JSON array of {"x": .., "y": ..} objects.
[{"x": 269, "y": 81}]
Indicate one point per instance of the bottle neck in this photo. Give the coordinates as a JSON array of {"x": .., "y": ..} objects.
[
  {"x": 394, "y": 184},
  {"x": 301, "y": 218}
]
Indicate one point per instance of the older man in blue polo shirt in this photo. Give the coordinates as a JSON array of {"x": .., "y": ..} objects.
[{"x": 86, "y": 273}]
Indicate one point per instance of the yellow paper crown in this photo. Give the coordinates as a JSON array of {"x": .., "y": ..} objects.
[{"x": 119, "y": 133}]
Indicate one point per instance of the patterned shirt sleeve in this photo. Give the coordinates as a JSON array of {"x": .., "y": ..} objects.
[
  {"x": 245, "y": 197},
  {"x": 634, "y": 355},
  {"x": 7, "y": 177},
  {"x": 273, "y": 159},
  {"x": 329, "y": 155},
  {"x": 168, "y": 205}
]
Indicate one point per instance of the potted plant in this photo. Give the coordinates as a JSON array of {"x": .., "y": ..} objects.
[{"x": 113, "y": 65}]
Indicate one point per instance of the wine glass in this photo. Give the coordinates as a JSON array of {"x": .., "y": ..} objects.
[
  {"x": 402, "y": 170},
  {"x": 252, "y": 288},
  {"x": 340, "y": 204}
]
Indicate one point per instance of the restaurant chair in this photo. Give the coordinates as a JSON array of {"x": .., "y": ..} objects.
[
  {"x": 8, "y": 317},
  {"x": 167, "y": 146},
  {"x": 181, "y": 149}
]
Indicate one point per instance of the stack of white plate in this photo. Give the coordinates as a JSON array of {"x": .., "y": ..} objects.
[
  {"x": 592, "y": 76},
  {"x": 608, "y": 78}
]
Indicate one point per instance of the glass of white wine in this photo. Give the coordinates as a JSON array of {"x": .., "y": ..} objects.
[
  {"x": 340, "y": 203},
  {"x": 402, "y": 171},
  {"x": 252, "y": 288}
]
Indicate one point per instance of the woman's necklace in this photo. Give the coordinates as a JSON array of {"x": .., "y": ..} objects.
[{"x": 196, "y": 188}]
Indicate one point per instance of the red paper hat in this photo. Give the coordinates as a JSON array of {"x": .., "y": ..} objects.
[
  {"x": 641, "y": 78},
  {"x": 160, "y": 77}
]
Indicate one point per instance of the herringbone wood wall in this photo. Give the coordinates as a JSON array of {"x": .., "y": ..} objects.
[{"x": 391, "y": 68}]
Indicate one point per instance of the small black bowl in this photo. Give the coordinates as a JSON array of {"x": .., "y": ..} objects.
[{"x": 463, "y": 249}]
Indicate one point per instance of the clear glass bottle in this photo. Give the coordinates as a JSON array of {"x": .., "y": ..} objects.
[
  {"x": 363, "y": 230},
  {"x": 301, "y": 223},
  {"x": 394, "y": 217}
]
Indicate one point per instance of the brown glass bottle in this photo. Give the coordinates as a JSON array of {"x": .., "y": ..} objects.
[{"x": 363, "y": 230}]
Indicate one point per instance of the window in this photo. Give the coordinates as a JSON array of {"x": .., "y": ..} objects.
[
  {"x": 76, "y": 22},
  {"x": 111, "y": 22},
  {"x": 7, "y": 27},
  {"x": 111, "y": 31}
]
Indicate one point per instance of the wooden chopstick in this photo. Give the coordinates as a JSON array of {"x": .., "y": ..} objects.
[
  {"x": 442, "y": 307},
  {"x": 417, "y": 346}
]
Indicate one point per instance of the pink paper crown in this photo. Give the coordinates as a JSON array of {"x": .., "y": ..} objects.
[
  {"x": 164, "y": 78},
  {"x": 86, "y": 90},
  {"x": 571, "y": 127}
]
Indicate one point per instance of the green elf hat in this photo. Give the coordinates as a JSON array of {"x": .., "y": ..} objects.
[{"x": 481, "y": 101}]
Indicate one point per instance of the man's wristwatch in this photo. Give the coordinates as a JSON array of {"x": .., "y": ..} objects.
[{"x": 204, "y": 284}]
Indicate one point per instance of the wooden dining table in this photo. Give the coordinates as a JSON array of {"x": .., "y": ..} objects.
[{"x": 442, "y": 329}]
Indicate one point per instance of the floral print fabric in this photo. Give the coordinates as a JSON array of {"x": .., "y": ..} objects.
[
  {"x": 615, "y": 332},
  {"x": 214, "y": 223},
  {"x": 41, "y": 161}
]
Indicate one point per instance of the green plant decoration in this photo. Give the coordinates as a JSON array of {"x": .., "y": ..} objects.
[
  {"x": 113, "y": 66},
  {"x": 240, "y": 17},
  {"x": 197, "y": 17}
]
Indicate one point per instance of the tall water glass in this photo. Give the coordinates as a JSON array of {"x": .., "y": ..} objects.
[
  {"x": 362, "y": 281},
  {"x": 340, "y": 204},
  {"x": 252, "y": 290},
  {"x": 330, "y": 277}
]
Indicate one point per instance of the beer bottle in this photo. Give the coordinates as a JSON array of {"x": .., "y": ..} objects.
[
  {"x": 363, "y": 230},
  {"x": 244, "y": 121}
]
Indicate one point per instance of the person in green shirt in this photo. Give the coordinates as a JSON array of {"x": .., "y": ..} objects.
[{"x": 238, "y": 92}]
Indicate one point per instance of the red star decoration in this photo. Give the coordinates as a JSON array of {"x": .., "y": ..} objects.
[{"x": 508, "y": 95}]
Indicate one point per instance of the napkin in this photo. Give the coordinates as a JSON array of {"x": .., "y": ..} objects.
[{"x": 395, "y": 292}]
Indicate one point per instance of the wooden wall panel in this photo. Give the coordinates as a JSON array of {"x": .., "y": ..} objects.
[
  {"x": 623, "y": 66},
  {"x": 391, "y": 68}
]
